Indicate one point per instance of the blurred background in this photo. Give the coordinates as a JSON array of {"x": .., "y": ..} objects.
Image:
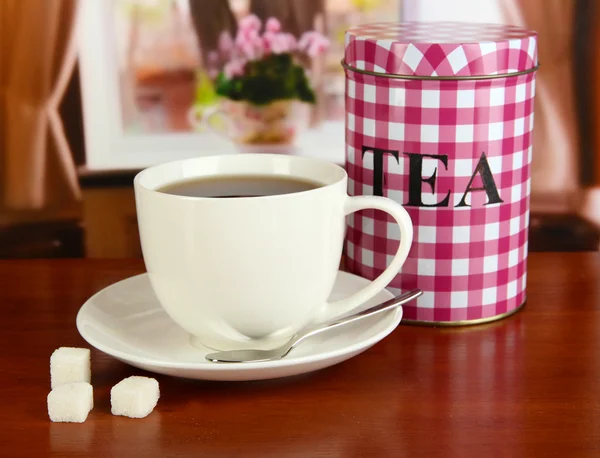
[{"x": 54, "y": 204}]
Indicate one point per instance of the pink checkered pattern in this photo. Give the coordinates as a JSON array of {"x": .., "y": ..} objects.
[
  {"x": 470, "y": 261},
  {"x": 440, "y": 49}
]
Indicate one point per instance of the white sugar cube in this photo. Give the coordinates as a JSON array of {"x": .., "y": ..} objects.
[
  {"x": 134, "y": 396},
  {"x": 71, "y": 402},
  {"x": 70, "y": 365}
]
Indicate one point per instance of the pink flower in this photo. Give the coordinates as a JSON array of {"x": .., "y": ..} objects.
[
  {"x": 234, "y": 68},
  {"x": 249, "y": 44},
  {"x": 273, "y": 25},
  {"x": 225, "y": 43},
  {"x": 318, "y": 46},
  {"x": 245, "y": 36},
  {"x": 250, "y": 23},
  {"x": 305, "y": 40},
  {"x": 292, "y": 44},
  {"x": 252, "y": 49},
  {"x": 268, "y": 38},
  {"x": 313, "y": 43},
  {"x": 279, "y": 43}
]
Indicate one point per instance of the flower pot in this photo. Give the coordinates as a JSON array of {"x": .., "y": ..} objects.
[{"x": 272, "y": 127}]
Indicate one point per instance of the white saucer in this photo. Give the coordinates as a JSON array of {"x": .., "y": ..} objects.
[{"x": 126, "y": 321}]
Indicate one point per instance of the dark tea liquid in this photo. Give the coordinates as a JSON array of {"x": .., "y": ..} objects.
[{"x": 239, "y": 186}]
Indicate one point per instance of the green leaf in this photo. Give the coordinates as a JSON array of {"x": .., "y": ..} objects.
[
  {"x": 275, "y": 77},
  {"x": 303, "y": 89}
]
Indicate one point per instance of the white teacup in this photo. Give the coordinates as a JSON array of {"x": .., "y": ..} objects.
[{"x": 251, "y": 271}]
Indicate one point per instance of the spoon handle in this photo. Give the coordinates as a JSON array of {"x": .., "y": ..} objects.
[
  {"x": 244, "y": 356},
  {"x": 387, "y": 305}
]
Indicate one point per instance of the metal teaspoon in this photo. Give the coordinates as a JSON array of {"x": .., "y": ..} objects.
[{"x": 252, "y": 356}]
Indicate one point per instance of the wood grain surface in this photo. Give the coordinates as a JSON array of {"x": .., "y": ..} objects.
[{"x": 527, "y": 386}]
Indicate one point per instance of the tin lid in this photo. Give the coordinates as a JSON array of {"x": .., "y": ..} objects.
[{"x": 440, "y": 49}]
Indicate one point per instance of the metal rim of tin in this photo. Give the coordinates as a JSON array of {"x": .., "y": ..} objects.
[
  {"x": 450, "y": 324},
  {"x": 439, "y": 78}
]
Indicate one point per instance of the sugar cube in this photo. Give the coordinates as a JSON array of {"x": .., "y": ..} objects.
[
  {"x": 134, "y": 396},
  {"x": 70, "y": 365},
  {"x": 70, "y": 402}
]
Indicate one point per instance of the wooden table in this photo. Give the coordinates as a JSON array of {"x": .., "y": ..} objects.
[{"x": 526, "y": 386}]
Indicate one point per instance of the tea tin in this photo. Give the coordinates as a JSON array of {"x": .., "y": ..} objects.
[{"x": 439, "y": 117}]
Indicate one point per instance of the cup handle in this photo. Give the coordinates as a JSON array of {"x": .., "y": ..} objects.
[{"x": 400, "y": 215}]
